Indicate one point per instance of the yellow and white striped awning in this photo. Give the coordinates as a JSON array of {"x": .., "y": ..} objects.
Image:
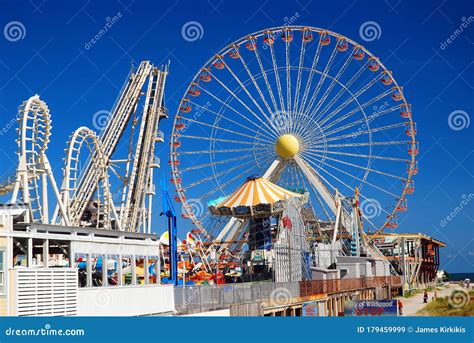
[{"x": 257, "y": 191}]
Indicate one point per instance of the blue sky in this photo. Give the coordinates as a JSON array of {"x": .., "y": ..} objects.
[{"x": 52, "y": 60}]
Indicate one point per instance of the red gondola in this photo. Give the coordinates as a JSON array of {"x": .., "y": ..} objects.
[
  {"x": 185, "y": 216},
  {"x": 219, "y": 63},
  {"x": 413, "y": 149},
  {"x": 342, "y": 45},
  {"x": 412, "y": 170},
  {"x": 287, "y": 35},
  {"x": 175, "y": 144},
  {"x": 402, "y": 206},
  {"x": 386, "y": 79},
  {"x": 269, "y": 39},
  {"x": 185, "y": 107},
  {"x": 205, "y": 76},
  {"x": 250, "y": 45},
  {"x": 179, "y": 126},
  {"x": 234, "y": 53},
  {"x": 194, "y": 91},
  {"x": 409, "y": 187},
  {"x": 373, "y": 64},
  {"x": 358, "y": 54},
  {"x": 178, "y": 199},
  {"x": 307, "y": 35},
  {"x": 325, "y": 39},
  {"x": 175, "y": 181},
  {"x": 410, "y": 129},
  {"x": 174, "y": 162},
  {"x": 405, "y": 111},
  {"x": 397, "y": 94}
]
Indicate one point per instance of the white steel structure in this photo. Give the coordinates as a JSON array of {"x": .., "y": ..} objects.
[
  {"x": 308, "y": 108},
  {"x": 88, "y": 195}
]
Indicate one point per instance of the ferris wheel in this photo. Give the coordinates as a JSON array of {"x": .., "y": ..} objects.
[{"x": 307, "y": 108}]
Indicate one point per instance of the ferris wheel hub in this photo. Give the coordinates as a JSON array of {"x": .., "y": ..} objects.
[{"x": 287, "y": 146}]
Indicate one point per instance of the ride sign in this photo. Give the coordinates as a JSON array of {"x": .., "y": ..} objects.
[{"x": 371, "y": 308}]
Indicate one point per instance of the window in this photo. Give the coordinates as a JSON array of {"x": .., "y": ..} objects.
[
  {"x": 2, "y": 271},
  {"x": 126, "y": 270},
  {"x": 80, "y": 262},
  {"x": 97, "y": 275},
  {"x": 152, "y": 269},
  {"x": 140, "y": 270},
  {"x": 112, "y": 270}
]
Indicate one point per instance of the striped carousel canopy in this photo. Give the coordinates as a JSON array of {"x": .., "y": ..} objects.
[{"x": 257, "y": 197}]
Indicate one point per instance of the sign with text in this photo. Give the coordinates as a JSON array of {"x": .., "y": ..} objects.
[{"x": 371, "y": 308}]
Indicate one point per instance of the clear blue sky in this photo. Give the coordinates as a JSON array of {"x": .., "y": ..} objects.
[{"x": 76, "y": 82}]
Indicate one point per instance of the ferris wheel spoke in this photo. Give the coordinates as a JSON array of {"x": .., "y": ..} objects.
[
  {"x": 223, "y": 173},
  {"x": 235, "y": 111},
  {"x": 310, "y": 77},
  {"x": 333, "y": 83},
  {"x": 277, "y": 79},
  {"x": 357, "y": 166},
  {"x": 220, "y": 116},
  {"x": 360, "y": 108},
  {"x": 199, "y": 152},
  {"x": 349, "y": 83},
  {"x": 360, "y": 155},
  {"x": 265, "y": 78},
  {"x": 254, "y": 81},
  {"x": 306, "y": 110},
  {"x": 350, "y": 145},
  {"x": 272, "y": 130},
  {"x": 351, "y": 99},
  {"x": 299, "y": 75},
  {"x": 360, "y": 133},
  {"x": 225, "y": 130},
  {"x": 288, "y": 83},
  {"x": 221, "y": 140},
  {"x": 365, "y": 120},
  {"x": 357, "y": 178},
  {"x": 228, "y": 182}
]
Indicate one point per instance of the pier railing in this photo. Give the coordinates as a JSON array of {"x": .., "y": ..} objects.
[{"x": 214, "y": 297}]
